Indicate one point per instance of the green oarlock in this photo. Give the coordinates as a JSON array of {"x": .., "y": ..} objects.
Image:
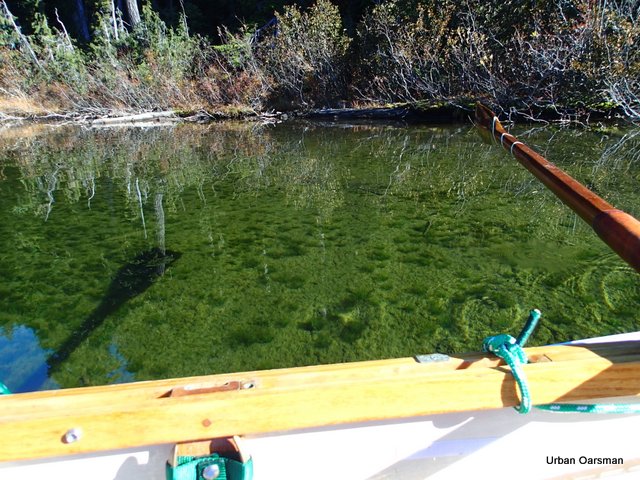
[{"x": 210, "y": 467}]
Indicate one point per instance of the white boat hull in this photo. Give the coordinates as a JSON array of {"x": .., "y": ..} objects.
[
  {"x": 474, "y": 444},
  {"x": 451, "y": 446}
]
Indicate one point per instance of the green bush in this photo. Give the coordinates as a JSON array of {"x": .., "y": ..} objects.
[
  {"x": 514, "y": 53},
  {"x": 544, "y": 54},
  {"x": 60, "y": 59},
  {"x": 149, "y": 67},
  {"x": 304, "y": 55},
  {"x": 401, "y": 56}
]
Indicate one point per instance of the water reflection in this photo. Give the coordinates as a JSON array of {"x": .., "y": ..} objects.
[
  {"x": 151, "y": 164},
  {"x": 23, "y": 362},
  {"x": 26, "y": 367},
  {"x": 299, "y": 244}
]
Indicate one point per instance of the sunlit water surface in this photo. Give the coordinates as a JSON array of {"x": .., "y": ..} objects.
[{"x": 141, "y": 254}]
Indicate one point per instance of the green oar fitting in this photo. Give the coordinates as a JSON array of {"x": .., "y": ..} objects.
[{"x": 210, "y": 467}]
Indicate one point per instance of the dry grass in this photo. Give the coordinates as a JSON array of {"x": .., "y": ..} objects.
[{"x": 21, "y": 107}]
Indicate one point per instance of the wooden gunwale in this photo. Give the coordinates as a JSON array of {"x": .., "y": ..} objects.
[
  {"x": 33, "y": 425},
  {"x": 616, "y": 228}
]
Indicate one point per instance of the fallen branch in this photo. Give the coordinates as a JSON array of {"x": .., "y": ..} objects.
[
  {"x": 626, "y": 94},
  {"x": 167, "y": 116},
  {"x": 7, "y": 118}
]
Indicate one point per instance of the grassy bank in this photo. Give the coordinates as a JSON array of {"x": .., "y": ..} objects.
[{"x": 570, "y": 58}]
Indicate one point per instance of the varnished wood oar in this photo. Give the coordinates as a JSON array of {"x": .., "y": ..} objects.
[{"x": 616, "y": 228}]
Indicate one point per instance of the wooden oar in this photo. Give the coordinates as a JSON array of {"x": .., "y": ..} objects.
[{"x": 616, "y": 228}]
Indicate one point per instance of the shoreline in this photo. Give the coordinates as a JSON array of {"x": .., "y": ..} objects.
[{"x": 443, "y": 112}]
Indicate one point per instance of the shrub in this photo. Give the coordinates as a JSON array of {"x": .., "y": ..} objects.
[
  {"x": 437, "y": 52},
  {"x": 621, "y": 32},
  {"x": 547, "y": 53},
  {"x": 523, "y": 54},
  {"x": 402, "y": 57},
  {"x": 304, "y": 55},
  {"x": 61, "y": 61},
  {"x": 233, "y": 73}
]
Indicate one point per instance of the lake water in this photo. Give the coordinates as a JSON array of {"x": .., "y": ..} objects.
[{"x": 136, "y": 254}]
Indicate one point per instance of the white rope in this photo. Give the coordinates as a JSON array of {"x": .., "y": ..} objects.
[
  {"x": 514, "y": 144},
  {"x": 493, "y": 125},
  {"x": 502, "y": 138}
]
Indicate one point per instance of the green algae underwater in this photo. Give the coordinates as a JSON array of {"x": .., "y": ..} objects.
[{"x": 245, "y": 246}]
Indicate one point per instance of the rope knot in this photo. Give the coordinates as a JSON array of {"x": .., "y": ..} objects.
[
  {"x": 510, "y": 350},
  {"x": 504, "y": 345}
]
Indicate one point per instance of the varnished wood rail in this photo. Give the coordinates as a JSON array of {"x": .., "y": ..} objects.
[{"x": 34, "y": 425}]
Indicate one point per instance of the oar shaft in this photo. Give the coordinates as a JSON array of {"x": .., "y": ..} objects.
[
  {"x": 578, "y": 197},
  {"x": 616, "y": 228},
  {"x": 621, "y": 232}
]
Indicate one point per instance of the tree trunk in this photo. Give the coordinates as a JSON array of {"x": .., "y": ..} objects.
[
  {"x": 132, "y": 12},
  {"x": 80, "y": 19}
]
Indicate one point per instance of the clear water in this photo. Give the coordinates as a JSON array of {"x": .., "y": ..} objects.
[{"x": 142, "y": 254}]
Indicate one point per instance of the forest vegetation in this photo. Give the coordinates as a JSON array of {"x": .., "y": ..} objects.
[{"x": 99, "y": 57}]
